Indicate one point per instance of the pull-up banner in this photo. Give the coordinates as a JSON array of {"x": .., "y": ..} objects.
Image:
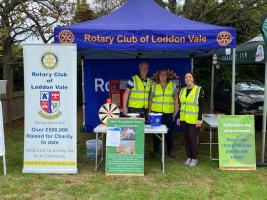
[
  {"x": 236, "y": 142},
  {"x": 50, "y": 134}
]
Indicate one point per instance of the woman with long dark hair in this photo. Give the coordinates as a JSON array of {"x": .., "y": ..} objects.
[{"x": 191, "y": 99}]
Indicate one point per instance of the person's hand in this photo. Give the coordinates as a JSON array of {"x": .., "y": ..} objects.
[
  {"x": 178, "y": 122},
  {"x": 173, "y": 116},
  {"x": 199, "y": 123},
  {"x": 125, "y": 110}
]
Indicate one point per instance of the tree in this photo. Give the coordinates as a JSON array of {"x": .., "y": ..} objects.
[
  {"x": 83, "y": 12},
  {"x": 21, "y": 19},
  {"x": 107, "y": 6},
  {"x": 172, "y": 6},
  {"x": 243, "y": 15}
]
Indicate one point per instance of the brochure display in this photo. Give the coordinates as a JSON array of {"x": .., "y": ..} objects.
[
  {"x": 125, "y": 146},
  {"x": 50, "y": 134},
  {"x": 236, "y": 142}
]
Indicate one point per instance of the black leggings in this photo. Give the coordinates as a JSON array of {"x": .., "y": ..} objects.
[{"x": 190, "y": 135}]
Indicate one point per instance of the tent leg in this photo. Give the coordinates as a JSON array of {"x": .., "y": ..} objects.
[
  {"x": 4, "y": 164},
  {"x": 233, "y": 83},
  {"x": 192, "y": 64},
  {"x": 83, "y": 98},
  {"x": 212, "y": 89},
  {"x": 264, "y": 121}
]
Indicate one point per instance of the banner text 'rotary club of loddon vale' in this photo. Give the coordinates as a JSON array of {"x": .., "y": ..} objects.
[{"x": 50, "y": 109}]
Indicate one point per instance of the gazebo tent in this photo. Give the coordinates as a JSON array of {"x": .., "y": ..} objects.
[
  {"x": 142, "y": 29},
  {"x": 250, "y": 52}
]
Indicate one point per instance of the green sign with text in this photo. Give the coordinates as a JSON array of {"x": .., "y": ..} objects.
[
  {"x": 125, "y": 146},
  {"x": 236, "y": 142}
]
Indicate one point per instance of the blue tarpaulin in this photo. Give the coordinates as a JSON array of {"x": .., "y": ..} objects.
[{"x": 144, "y": 25}]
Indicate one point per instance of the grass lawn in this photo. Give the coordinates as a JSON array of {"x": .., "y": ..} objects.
[{"x": 205, "y": 181}]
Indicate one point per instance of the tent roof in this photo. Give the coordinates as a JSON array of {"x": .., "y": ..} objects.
[
  {"x": 144, "y": 15},
  {"x": 142, "y": 25},
  {"x": 250, "y": 52}
]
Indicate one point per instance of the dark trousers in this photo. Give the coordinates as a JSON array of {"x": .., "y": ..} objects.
[
  {"x": 167, "y": 119},
  {"x": 190, "y": 136}
]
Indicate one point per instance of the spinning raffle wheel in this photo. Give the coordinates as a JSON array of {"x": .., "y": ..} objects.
[{"x": 108, "y": 110}]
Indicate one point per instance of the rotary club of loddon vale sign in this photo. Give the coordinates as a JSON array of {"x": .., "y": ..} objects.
[{"x": 50, "y": 135}]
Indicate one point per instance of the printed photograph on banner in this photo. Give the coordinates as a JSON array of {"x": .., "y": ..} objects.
[
  {"x": 113, "y": 136},
  {"x": 127, "y": 143}
]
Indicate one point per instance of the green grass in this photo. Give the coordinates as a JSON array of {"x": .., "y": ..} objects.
[{"x": 205, "y": 181}]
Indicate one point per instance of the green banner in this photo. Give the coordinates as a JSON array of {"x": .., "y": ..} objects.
[
  {"x": 125, "y": 146},
  {"x": 236, "y": 141}
]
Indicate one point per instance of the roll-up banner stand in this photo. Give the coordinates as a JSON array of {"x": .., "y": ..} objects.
[{"x": 50, "y": 133}]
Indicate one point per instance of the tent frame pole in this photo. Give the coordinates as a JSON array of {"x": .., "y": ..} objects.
[
  {"x": 233, "y": 82},
  {"x": 83, "y": 97},
  {"x": 212, "y": 88},
  {"x": 264, "y": 117},
  {"x": 192, "y": 64}
]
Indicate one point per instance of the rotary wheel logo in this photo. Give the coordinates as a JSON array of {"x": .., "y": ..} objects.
[
  {"x": 49, "y": 60},
  {"x": 66, "y": 36},
  {"x": 224, "y": 38}
]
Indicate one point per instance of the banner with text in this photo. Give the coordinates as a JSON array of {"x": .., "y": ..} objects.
[
  {"x": 236, "y": 142},
  {"x": 125, "y": 146},
  {"x": 50, "y": 133}
]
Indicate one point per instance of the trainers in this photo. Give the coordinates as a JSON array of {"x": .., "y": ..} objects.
[
  {"x": 193, "y": 163},
  {"x": 187, "y": 161}
]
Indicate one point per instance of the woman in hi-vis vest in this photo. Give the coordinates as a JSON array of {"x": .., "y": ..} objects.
[
  {"x": 189, "y": 116},
  {"x": 164, "y": 99}
]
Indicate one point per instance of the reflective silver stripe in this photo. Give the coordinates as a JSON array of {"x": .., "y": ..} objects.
[
  {"x": 165, "y": 103},
  {"x": 139, "y": 91},
  {"x": 161, "y": 95},
  {"x": 137, "y": 99},
  {"x": 196, "y": 99},
  {"x": 189, "y": 112},
  {"x": 191, "y": 104}
]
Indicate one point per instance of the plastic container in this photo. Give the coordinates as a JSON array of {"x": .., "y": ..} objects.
[
  {"x": 91, "y": 148},
  {"x": 155, "y": 119}
]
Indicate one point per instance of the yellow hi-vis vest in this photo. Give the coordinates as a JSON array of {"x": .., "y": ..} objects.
[
  {"x": 189, "y": 105},
  {"x": 139, "y": 93},
  {"x": 163, "y": 101}
]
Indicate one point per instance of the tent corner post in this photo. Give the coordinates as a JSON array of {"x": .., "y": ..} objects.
[
  {"x": 212, "y": 89},
  {"x": 192, "y": 63},
  {"x": 83, "y": 97},
  {"x": 264, "y": 116},
  {"x": 233, "y": 82}
]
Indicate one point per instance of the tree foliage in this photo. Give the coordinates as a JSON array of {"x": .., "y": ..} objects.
[
  {"x": 21, "y": 19},
  {"x": 83, "y": 12},
  {"x": 244, "y": 15}
]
